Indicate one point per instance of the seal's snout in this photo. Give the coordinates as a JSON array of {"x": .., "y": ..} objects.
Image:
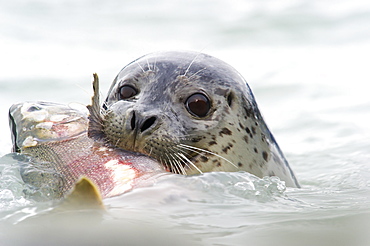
[{"x": 141, "y": 123}]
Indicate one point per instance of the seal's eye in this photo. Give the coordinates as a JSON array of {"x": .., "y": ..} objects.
[
  {"x": 198, "y": 105},
  {"x": 127, "y": 91}
]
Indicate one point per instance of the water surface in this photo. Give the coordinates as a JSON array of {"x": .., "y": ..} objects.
[{"x": 307, "y": 63}]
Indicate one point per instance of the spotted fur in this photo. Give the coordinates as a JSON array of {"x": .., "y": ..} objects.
[{"x": 231, "y": 137}]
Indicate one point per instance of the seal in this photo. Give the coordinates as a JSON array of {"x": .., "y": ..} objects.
[{"x": 193, "y": 113}]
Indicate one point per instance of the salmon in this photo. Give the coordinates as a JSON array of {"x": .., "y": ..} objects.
[{"x": 56, "y": 138}]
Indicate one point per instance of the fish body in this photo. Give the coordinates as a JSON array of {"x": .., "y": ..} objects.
[{"x": 55, "y": 136}]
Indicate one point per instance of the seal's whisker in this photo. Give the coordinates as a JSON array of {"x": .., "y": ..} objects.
[
  {"x": 185, "y": 152},
  {"x": 197, "y": 72},
  {"x": 190, "y": 137},
  {"x": 181, "y": 155},
  {"x": 100, "y": 114},
  {"x": 195, "y": 149},
  {"x": 181, "y": 163},
  {"x": 117, "y": 142},
  {"x": 185, "y": 136},
  {"x": 163, "y": 161},
  {"x": 178, "y": 162},
  {"x": 169, "y": 163},
  {"x": 173, "y": 167},
  {"x": 166, "y": 162},
  {"x": 191, "y": 63},
  {"x": 155, "y": 63},
  {"x": 180, "y": 166},
  {"x": 147, "y": 62},
  {"x": 177, "y": 165},
  {"x": 142, "y": 69}
]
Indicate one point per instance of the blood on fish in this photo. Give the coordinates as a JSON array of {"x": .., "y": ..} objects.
[{"x": 56, "y": 135}]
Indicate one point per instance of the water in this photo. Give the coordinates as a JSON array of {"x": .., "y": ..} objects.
[{"x": 307, "y": 63}]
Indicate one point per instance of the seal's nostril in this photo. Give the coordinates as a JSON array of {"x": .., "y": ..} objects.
[
  {"x": 148, "y": 123},
  {"x": 133, "y": 120}
]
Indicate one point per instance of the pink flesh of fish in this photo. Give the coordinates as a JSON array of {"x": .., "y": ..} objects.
[{"x": 56, "y": 135}]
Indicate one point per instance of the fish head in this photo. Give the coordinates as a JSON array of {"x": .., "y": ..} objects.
[{"x": 35, "y": 122}]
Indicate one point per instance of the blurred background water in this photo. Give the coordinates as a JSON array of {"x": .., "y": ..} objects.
[{"x": 308, "y": 65}]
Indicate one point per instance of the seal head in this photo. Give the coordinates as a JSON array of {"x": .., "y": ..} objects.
[{"x": 192, "y": 112}]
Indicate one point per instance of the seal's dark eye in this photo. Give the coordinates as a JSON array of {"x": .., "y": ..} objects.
[
  {"x": 126, "y": 92},
  {"x": 198, "y": 105}
]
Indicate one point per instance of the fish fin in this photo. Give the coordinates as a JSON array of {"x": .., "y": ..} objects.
[
  {"x": 95, "y": 128},
  {"x": 85, "y": 194}
]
